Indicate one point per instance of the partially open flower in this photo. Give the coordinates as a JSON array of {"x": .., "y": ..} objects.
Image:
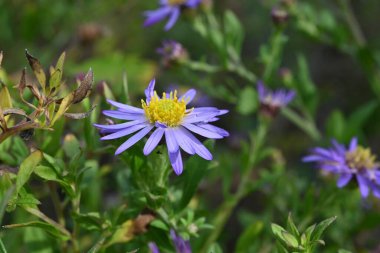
[
  {"x": 272, "y": 101},
  {"x": 167, "y": 115},
  {"x": 354, "y": 161},
  {"x": 172, "y": 53}
]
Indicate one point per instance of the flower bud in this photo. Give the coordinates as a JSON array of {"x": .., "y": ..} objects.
[
  {"x": 172, "y": 53},
  {"x": 279, "y": 16}
]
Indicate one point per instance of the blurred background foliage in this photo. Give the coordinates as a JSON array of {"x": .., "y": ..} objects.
[{"x": 333, "y": 67}]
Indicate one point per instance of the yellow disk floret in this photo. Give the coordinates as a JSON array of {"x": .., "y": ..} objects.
[
  {"x": 166, "y": 110},
  {"x": 361, "y": 158}
]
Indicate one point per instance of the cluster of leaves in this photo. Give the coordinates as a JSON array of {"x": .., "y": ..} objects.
[{"x": 46, "y": 100}]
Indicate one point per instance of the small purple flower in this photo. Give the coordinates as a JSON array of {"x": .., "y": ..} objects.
[
  {"x": 167, "y": 116},
  {"x": 353, "y": 161},
  {"x": 272, "y": 101},
  {"x": 171, "y": 9},
  {"x": 172, "y": 52},
  {"x": 180, "y": 244}
]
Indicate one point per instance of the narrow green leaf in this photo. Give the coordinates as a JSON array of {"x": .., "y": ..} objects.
[
  {"x": 320, "y": 228},
  {"x": 290, "y": 239},
  {"x": 26, "y": 168},
  {"x": 64, "y": 106},
  {"x": 55, "y": 80},
  {"x": 248, "y": 102},
  {"x": 5, "y": 98},
  {"x": 292, "y": 227},
  {"x": 2, "y": 247},
  {"x": 248, "y": 237}
]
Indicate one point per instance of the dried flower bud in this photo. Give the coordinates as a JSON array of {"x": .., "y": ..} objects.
[
  {"x": 279, "y": 16},
  {"x": 288, "y": 3}
]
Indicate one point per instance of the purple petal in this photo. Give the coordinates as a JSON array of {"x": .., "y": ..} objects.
[
  {"x": 183, "y": 141},
  {"x": 261, "y": 90},
  {"x": 120, "y": 126},
  {"x": 203, "y": 132},
  {"x": 363, "y": 185},
  {"x": 156, "y": 15},
  {"x": 173, "y": 18},
  {"x": 123, "y": 115},
  {"x": 199, "y": 148},
  {"x": 171, "y": 142},
  {"x": 215, "y": 129},
  {"x": 344, "y": 179},
  {"x": 149, "y": 92},
  {"x": 153, "y": 141},
  {"x": 176, "y": 161},
  {"x": 153, "y": 247},
  {"x": 201, "y": 117},
  {"x": 353, "y": 144},
  {"x": 124, "y": 132},
  {"x": 126, "y": 108},
  {"x": 135, "y": 138},
  {"x": 188, "y": 96}
]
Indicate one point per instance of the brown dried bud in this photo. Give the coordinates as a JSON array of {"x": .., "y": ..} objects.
[
  {"x": 84, "y": 88},
  {"x": 279, "y": 16},
  {"x": 141, "y": 222}
]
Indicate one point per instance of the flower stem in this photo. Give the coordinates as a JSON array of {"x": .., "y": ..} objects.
[{"x": 226, "y": 208}]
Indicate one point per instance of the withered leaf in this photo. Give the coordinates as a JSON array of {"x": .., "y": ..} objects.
[
  {"x": 14, "y": 111},
  {"x": 5, "y": 98},
  {"x": 84, "y": 87},
  {"x": 7, "y": 169},
  {"x": 80, "y": 115},
  {"x": 37, "y": 69},
  {"x": 22, "y": 84}
]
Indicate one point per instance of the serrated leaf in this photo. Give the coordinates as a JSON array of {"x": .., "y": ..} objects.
[
  {"x": 26, "y": 168},
  {"x": 37, "y": 69}
]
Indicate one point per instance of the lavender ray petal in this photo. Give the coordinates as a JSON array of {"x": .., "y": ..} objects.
[
  {"x": 123, "y": 115},
  {"x": 196, "y": 118},
  {"x": 120, "y": 126},
  {"x": 353, "y": 144},
  {"x": 149, "y": 91},
  {"x": 173, "y": 18},
  {"x": 156, "y": 15},
  {"x": 203, "y": 132},
  {"x": 171, "y": 142},
  {"x": 176, "y": 161},
  {"x": 153, "y": 141},
  {"x": 183, "y": 141},
  {"x": 135, "y": 138},
  {"x": 199, "y": 148},
  {"x": 215, "y": 129},
  {"x": 126, "y": 108},
  {"x": 344, "y": 179},
  {"x": 153, "y": 247},
  {"x": 363, "y": 185},
  {"x": 188, "y": 96},
  {"x": 124, "y": 132}
]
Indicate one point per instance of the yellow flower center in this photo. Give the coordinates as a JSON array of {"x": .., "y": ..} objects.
[
  {"x": 361, "y": 158},
  {"x": 167, "y": 110},
  {"x": 176, "y": 2}
]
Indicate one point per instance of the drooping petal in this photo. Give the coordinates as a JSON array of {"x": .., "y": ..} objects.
[
  {"x": 156, "y": 15},
  {"x": 149, "y": 91},
  {"x": 126, "y": 108},
  {"x": 363, "y": 185},
  {"x": 176, "y": 161},
  {"x": 173, "y": 18},
  {"x": 135, "y": 138},
  {"x": 188, "y": 96},
  {"x": 202, "y": 131},
  {"x": 153, "y": 141},
  {"x": 344, "y": 179},
  {"x": 171, "y": 142},
  {"x": 124, "y": 132},
  {"x": 183, "y": 141},
  {"x": 353, "y": 144},
  {"x": 199, "y": 148},
  {"x": 215, "y": 129}
]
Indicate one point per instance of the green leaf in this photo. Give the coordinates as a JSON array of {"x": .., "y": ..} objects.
[
  {"x": 55, "y": 80},
  {"x": 159, "y": 224},
  {"x": 5, "y": 98},
  {"x": 320, "y": 228},
  {"x": 248, "y": 102},
  {"x": 65, "y": 104},
  {"x": 26, "y": 168},
  {"x": 71, "y": 145},
  {"x": 290, "y": 240},
  {"x": 234, "y": 32},
  {"x": 359, "y": 117},
  {"x": 292, "y": 227},
  {"x": 249, "y": 236},
  {"x": 60, "y": 62},
  {"x": 122, "y": 234},
  {"x": 215, "y": 248},
  {"x": 277, "y": 230},
  {"x": 2, "y": 247},
  {"x": 90, "y": 221},
  {"x": 344, "y": 251},
  {"x": 48, "y": 228},
  {"x": 335, "y": 125}
]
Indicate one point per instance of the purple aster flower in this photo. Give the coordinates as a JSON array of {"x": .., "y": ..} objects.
[
  {"x": 351, "y": 162},
  {"x": 167, "y": 116},
  {"x": 172, "y": 52},
  {"x": 153, "y": 247},
  {"x": 272, "y": 101},
  {"x": 171, "y": 9}
]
